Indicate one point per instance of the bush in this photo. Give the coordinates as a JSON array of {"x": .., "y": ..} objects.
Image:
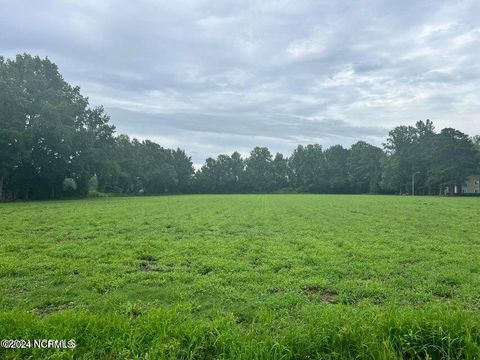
[
  {"x": 69, "y": 185},
  {"x": 93, "y": 183}
]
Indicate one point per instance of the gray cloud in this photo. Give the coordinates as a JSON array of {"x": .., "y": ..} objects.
[{"x": 214, "y": 77}]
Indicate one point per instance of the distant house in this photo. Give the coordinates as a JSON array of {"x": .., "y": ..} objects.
[{"x": 471, "y": 185}]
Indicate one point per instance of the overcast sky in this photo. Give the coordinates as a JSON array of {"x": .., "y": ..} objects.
[{"x": 217, "y": 76}]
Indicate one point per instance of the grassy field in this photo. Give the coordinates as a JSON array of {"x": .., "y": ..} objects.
[{"x": 243, "y": 276}]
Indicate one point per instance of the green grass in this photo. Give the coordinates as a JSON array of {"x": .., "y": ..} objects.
[{"x": 243, "y": 276}]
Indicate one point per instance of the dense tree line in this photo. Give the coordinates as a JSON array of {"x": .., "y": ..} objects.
[
  {"x": 438, "y": 160},
  {"x": 309, "y": 169},
  {"x": 52, "y": 144}
]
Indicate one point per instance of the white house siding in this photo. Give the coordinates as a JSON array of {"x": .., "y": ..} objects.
[{"x": 472, "y": 185}]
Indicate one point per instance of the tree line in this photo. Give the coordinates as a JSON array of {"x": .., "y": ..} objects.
[{"x": 54, "y": 145}]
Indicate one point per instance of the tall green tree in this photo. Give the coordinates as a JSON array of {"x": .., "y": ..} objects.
[
  {"x": 454, "y": 158},
  {"x": 222, "y": 175},
  {"x": 93, "y": 151},
  {"x": 184, "y": 170},
  {"x": 12, "y": 103},
  {"x": 206, "y": 180},
  {"x": 157, "y": 173},
  {"x": 281, "y": 172},
  {"x": 364, "y": 167},
  {"x": 48, "y": 109},
  {"x": 309, "y": 169},
  {"x": 259, "y": 174},
  {"x": 336, "y": 158},
  {"x": 237, "y": 165},
  {"x": 409, "y": 151}
]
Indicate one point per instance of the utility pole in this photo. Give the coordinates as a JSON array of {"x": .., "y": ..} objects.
[{"x": 413, "y": 182}]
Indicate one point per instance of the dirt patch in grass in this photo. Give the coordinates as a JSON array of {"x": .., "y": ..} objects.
[
  {"x": 149, "y": 266},
  {"x": 444, "y": 293},
  {"x": 275, "y": 290},
  {"x": 327, "y": 296},
  {"x": 279, "y": 267},
  {"x": 205, "y": 270},
  {"x": 52, "y": 308}
]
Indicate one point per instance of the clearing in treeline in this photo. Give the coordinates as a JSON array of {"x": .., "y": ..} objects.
[{"x": 243, "y": 276}]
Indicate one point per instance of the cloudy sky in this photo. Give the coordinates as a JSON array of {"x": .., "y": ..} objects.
[{"x": 217, "y": 76}]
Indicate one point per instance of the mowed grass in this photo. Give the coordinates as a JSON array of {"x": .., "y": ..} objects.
[{"x": 243, "y": 276}]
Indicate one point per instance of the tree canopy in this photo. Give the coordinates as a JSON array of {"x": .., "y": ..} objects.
[{"x": 53, "y": 144}]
